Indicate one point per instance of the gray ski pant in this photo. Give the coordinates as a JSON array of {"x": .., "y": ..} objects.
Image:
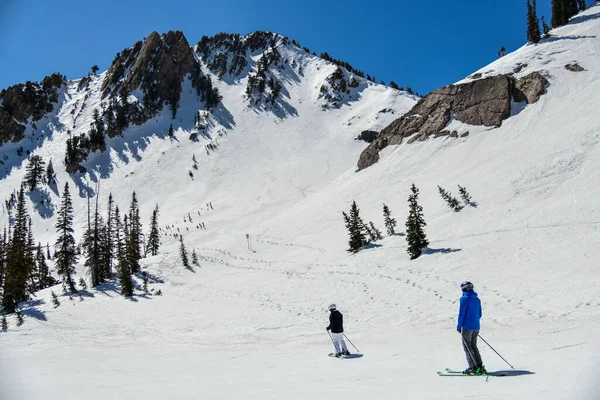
[{"x": 469, "y": 339}]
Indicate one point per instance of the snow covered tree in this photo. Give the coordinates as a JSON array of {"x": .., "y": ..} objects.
[
  {"x": 466, "y": 197},
  {"x": 50, "y": 174},
  {"x": 154, "y": 236},
  {"x": 195, "y": 258},
  {"x": 35, "y": 174},
  {"x": 109, "y": 241},
  {"x": 546, "y": 28},
  {"x": 183, "y": 252},
  {"x": 65, "y": 252},
  {"x": 415, "y": 235},
  {"x": 450, "y": 200},
  {"x": 19, "y": 263},
  {"x": 355, "y": 225},
  {"x": 55, "y": 299},
  {"x": 390, "y": 223}
]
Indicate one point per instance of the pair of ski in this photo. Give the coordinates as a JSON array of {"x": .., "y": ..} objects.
[
  {"x": 353, "y": 355},
  {"x": 451, "y": 372}
]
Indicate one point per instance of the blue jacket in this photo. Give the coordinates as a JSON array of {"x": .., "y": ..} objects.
[{"x": 469, "y": 312}]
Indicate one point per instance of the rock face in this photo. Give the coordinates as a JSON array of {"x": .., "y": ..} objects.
[
  {"x": 530, "y": 88},
  {"x": 157, "y": 65},
  {"x": 368, "y": 136},
  {"x": 24, "y": 101},
  {"x": 482, "y": 102},
  {"x": 574, "y": 67}
]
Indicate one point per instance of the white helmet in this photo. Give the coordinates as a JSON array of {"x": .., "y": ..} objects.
[{"x": 332, "y": 307}]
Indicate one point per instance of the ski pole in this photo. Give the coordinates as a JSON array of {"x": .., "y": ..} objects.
[
  {"x": 496, "y": 352},
  {"x": 468, "y": 349},
  {"x": 331, "y": 337},
  {"x": 351, "y": 343}
]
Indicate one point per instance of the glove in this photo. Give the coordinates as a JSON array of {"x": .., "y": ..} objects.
[
  {"x": 459, "y": 330},
  {"x": 328, "y": 328}
]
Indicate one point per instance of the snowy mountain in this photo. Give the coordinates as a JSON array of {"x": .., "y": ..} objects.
[{"x": 279, "y": 165}]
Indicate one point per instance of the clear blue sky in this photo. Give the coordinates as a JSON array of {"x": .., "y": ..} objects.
[{"x": 422, "y": 44}]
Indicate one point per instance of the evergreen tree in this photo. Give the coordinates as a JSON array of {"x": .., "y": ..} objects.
[
  {"x": 376, "y": 233},
  {"x": 93, "y": 244},
  {"x": 533, "y": 24},
  {"x": 154, "y": 236},
  {"x": 19, "y": 266},
  {"x": 123, "y": 269},
  {"x": 466, "y": 197},
  {"x": 135, "y": 235},
  {"x": 95, "y": 69},
  {"x": 171, "y": 131},
  {"x": 183, "y": 252},
  {"x": 195, "y": 258},
  {"x": 4, "y": 323},
  {"x": 109, "y": 244},
  {"x": 145, "y": 280},
  {"x": 82, "y": 283},
  {"x": 355, "y": 228},
  {"x": 546, "y": 28},
  {"x": 3, "y": 250},
  {"x": 450, "y": 200},
  {"x": 48, "y": 255},
  {"x": 45, "y": 279},
  {"x": 581, "y": 4},
  {"x": 55, "y": 299},
  {"x": 30, "y": 257},
  {"x": 394, "y": 85},
  {"x": 557, "y": 13},
  {"x": 35, "y": 174},
  {"x": 50, "y": 174},
  {"x": 415, "y": 235},
  {"x": 19, "y": 318},
  {"x": 390, "y": 223},
  {"x": 65, "y": 252}
]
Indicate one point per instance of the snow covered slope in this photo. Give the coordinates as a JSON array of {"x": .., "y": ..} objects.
[{"x": 250, "y": 323}]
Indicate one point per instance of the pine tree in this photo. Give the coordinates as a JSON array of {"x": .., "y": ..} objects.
[
  {"x": 171, "y": 131},
  {"x": 109, "y": 245},
  {"x": 35, "y": 174},
  {"x": 4, "y": 323},
  {"x": 546, "y": 28},
  {"x": 50, "y": 174},
  {"x": 19, "y": 318},
  {"x": 145, "y": 281},
  {"x": 65, "y": 252},
  {"x": 19, "y": 265},
  {"x": 45, "y": 279},
  {"x": 450, "y": 200},
  {"x": 135, "y": 237},
  {"x": 581, "y": 4},
  {"x": 48, "y": 255},
  {"x": 93, "y": 244},
  {"x": 123, "y": 269},
  {"x": 183, "y": 252},
  {"x": 195, "y": 258},
  {"x": 466, "y": 197},
  {"x": 355, "y": 229},
  {"x": 533, "y": 24},
  {"x": 376, "y": 233},
  {"x": 390, "y": 223},
  {"x": 30, "y": 257},
  {"x": 415, "y": 235},
  {"x": 557, "y": 13},
  {"x": 154, "y": 236},
  {"x": 55, "y": 299}
]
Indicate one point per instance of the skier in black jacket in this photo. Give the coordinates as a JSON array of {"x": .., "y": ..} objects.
[{"x": 336, "y": 326}]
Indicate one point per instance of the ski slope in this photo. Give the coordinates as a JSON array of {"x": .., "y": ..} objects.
[{"x": 250, "y": 322}]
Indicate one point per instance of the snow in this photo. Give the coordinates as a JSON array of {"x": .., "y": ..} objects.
[{"x": 250, "y": 323}]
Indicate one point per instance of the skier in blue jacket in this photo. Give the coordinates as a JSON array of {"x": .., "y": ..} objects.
[{"x": 468, "y": 326}]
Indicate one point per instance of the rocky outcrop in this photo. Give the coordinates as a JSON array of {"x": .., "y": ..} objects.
[
  {"x": 574, "y": 67},
  {"x": 10, "y": 130},
  {"x": 481, "y": 102},
  {"x": 529, "y": 88},
  {"x": 31, "y": 100},
  {"x": 157, "y": 65},
  {"x": 367, "y": 136}
]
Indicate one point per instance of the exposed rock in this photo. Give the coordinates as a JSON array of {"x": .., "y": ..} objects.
[
  {"x": 519, "y": 67},
  {"x": 157, "y": 65},
  {"x": 465, "y": 134},
  {"x": 485, "y": 102},
  {"x": 476, "y": 76},
  {"x": 10, "y": 130},
  {"x": 367, "y": 136},
  {"x": 454, "y": 134},
  {"x": 32, "y": 99},
  {"x": 574, "y": 67}
]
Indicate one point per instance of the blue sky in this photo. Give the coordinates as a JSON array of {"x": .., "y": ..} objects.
[{"x": 421, "y": 44}]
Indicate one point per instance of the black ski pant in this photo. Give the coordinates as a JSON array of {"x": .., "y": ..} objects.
[{"x": 469, "y": 339}]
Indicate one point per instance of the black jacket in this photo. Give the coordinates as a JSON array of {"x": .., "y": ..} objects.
[{"x": 336, "y": 322}]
